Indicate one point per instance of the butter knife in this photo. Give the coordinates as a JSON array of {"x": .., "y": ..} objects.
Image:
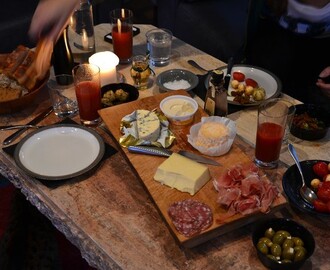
[
  {"x": 157, "y": 151},
  {"x": 228, "y": 75},
  {"x": 35, "y": 121}
]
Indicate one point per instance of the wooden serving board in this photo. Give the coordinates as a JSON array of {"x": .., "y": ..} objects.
[{"x": 164, "y": 196}]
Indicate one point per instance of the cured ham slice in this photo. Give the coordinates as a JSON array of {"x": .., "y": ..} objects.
[
  {"x": 190, "y": 217},
  {"x": 244, "y": 189}
]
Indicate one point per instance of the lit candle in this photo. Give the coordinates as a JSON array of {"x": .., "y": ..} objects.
[{"x": 107, "y": 62}]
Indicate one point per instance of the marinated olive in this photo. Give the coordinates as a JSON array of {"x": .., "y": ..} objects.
[
  {"x": 286, "y": 261},
  {"x": 279, "y": 238},
  {"x": 288, "y": 243},
  {"x": 285, "y": 233},
  {"x": 299, "y": 255},
  {"x": 272, "y": 257},
  {"x": 276, "y": 250},
  {"x": 288, "y": 253},
  {"x": 266, "y": 240},
  {"x": 262, "y": 247},
  {"x": 297, "y": 241},
  {"x": 269, "y": 233}
]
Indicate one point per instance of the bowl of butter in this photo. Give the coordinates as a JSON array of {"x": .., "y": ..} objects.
[{"x": 179, "y": 109}]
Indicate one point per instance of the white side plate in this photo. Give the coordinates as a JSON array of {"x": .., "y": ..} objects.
[{"x": 59, "y": 152}]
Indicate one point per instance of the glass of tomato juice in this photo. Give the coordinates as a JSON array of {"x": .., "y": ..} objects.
[
  {"x": 122, "y": 34},
  {"x": 272, "y": 118},
  {"x": 88, "y": 91}
]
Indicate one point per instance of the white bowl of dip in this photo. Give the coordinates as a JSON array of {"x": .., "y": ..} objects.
[
  {"x": 179, "y": 109},
  {"x": 177, "y": 79}
]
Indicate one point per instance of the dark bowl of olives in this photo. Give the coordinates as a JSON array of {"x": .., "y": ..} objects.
[
  {"x": 310, "y": 122},
  {"x": 282, "y": 244},
  {"x": 118, "y": 93}
]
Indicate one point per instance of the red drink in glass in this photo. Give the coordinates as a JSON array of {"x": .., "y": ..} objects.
[
  {"x": 269, "y": 142},
  {"x": 89, "y": 99},
  {"x": 122, "y": 42}
]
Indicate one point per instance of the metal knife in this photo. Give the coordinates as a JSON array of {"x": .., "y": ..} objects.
[
  {"x": 35, "y": 121},
  {"x": 228, "y": 75},
  {"x": 157, "y": 151}
]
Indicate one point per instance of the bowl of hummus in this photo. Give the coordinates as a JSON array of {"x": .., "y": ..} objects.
[{"x": 179, "y": 109}]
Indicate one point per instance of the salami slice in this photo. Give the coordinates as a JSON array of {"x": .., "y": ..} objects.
[{"x": 190, "y": 217}]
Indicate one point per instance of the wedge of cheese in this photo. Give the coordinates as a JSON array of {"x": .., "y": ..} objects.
[
  {"x": 148, "y": 125},
  {"x": 182, "y": 174}
]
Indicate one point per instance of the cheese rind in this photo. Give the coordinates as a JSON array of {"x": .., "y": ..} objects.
[
  {"x": 182, "y": 174},
  {"x": 148, "y": 125}
]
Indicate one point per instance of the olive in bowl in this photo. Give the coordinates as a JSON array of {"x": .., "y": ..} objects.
[
  {"x": 310, "y": 122},
  {"x": 282, "y": 244},
  {"x": 118, "y": 93}
]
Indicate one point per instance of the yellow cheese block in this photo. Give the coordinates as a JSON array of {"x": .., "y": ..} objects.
[{"x": 183, "y": 174}]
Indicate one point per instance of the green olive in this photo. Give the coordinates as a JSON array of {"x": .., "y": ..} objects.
[
  {"x": 272, "y": 257},
  {"x": 286, "y": 261},
  {"x": 269, "y": 233},
  {"x": 276, "y": 250},
  {"x": 262, "y": 247},
  {"x": 299, "y": 254},
  {"x": 297, "y": 241},
  {"x": 279, "y": 238},
  {"x": 266, "y": 240},
  {"x": 286, "y": 233},
  {"x": 288, "y": 243},
  {"x": 288, "y": 253}
]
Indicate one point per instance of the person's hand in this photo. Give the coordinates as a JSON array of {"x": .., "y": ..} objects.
[
  {"x": 325, "y": 87},
  {"x": 50, "y": 18}
]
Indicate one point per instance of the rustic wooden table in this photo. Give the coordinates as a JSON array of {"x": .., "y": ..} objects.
[{"x": 110, "y": 217}]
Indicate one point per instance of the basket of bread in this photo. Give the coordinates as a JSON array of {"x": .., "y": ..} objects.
[{"x": 19, "y": 81}]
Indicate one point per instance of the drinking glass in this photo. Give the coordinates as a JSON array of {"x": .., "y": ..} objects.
[
  {"x": 62, "y": 94},
  {"x": 140, "y": 71},
  {"x": 122, "y": 34},
  {"x": 272, "y": 118},
  {"x": 159, "y": 43},
  {"x": 81, "y": 32},
  {"x": 88, "y": 91}
]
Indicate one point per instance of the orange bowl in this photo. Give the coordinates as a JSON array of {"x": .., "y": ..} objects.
[{"x": 15, "y": 105}]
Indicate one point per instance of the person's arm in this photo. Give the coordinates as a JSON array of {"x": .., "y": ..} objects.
[
  {"x": 50, "y": 18},
  {"x": 325, "y": 87}
]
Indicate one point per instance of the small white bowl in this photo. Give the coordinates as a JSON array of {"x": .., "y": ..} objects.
[
  {"x": 176, "y": 75},
  {"x": 179, "y": 109}
]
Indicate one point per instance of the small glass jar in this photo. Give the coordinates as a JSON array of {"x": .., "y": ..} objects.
[{"x": 140, "y": 71}]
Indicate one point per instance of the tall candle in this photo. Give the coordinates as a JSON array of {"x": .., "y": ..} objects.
[
  {"x": 107, "y": 62},
  {"x": 122, "y": 34},
  {"x": 122, "y": 40}
]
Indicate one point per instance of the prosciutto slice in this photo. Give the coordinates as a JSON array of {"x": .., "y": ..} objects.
[{"x": 244, "y": 189}]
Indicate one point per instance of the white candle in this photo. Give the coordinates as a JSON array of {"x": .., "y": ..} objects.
[{"x": 107, "y": 62}]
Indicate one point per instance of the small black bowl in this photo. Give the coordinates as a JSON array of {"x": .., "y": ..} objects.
[
  {"x": 133, "y": 92},
  {"x": 314, "y": 111},
  {"x": 291, "y": 183},
  {"x": 295, "y": 229}
]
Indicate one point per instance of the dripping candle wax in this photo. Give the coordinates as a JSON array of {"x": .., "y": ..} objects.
[{"x": 122, "y": 35}]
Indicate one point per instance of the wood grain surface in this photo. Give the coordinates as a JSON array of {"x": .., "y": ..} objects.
[{"x": 164, "y": 196}]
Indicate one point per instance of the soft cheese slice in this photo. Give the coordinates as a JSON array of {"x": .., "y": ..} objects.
[
  {"x": 183, "y": 174},
  {"x": 148, "y": 125}
]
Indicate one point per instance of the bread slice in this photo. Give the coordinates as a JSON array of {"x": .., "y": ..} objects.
[{"x": 7, "y": 94}]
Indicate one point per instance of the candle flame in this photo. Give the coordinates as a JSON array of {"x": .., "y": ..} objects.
[
  {"x": 123, "y": 13},
  {"x": 119, "y": 25}
]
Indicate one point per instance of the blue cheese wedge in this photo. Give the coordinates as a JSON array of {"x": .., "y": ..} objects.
[
  {"x": 182, "y": 174},
  {"x": 148, "y": 125}
]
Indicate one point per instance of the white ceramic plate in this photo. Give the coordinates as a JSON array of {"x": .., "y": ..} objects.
[
  {"x": 264, "y": 78},
  {"x": 59, "y": 152}
]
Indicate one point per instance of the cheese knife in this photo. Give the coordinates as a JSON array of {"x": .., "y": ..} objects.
[
  {"x": 35, "y": 121},
  {"x": 228, "y": 75},
  {"x": 157, "y": 151}
]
